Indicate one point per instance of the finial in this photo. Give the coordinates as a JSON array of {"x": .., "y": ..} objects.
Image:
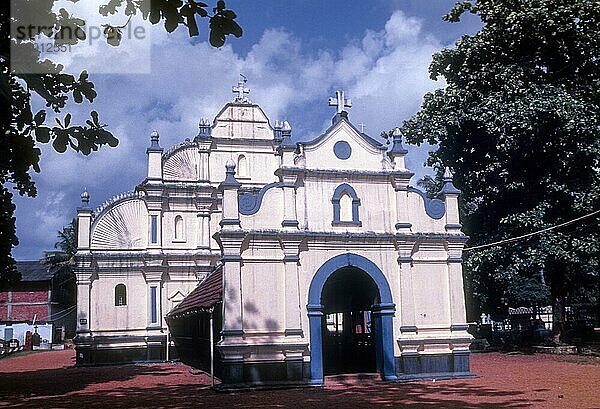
[
  {"x": 85, "y": 197},
  {"x": 241, "y": 91},
  {"x": 203, "y": 129},
  {"x": 449, "y": 188},
  {"x": 277, "y": 132},
  {"x": 286, "y": 134},
  {"x": 397, "y": 147},
  {"x": 154, "y": 136},
  {"x": 230, "y": 166},
  {"x": 230, "y": 180}
]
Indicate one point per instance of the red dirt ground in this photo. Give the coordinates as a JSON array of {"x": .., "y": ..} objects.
[{"x": 49, "y": 380}]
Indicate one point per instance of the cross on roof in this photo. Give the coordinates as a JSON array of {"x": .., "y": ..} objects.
[
  {"x": 241, "y": 90},
  {"x": 340, "y": 102}
]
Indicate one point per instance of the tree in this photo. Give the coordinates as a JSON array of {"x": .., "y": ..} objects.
[
  {"x": 519, "y": 123},
  {"x": 61, "y": 262},
  {"x": 24, "y": 78}
]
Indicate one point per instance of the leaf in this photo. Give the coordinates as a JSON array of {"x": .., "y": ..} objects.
[
  {"x": 42, "y": 134},
  {"x": 40, "y": 117},
  {"x": 61, "y": 140},
  {"x": 67, "y": 120},
  {"x": 77, "y": 96},
  {"x": 94, "y": 116},
  {"x": 113, "y": 35}
]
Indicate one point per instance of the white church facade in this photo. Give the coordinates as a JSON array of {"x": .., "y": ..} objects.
[{"x": 304, "y": 258}]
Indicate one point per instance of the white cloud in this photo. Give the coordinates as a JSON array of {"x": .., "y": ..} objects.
[{"x": 384, "y": 72}]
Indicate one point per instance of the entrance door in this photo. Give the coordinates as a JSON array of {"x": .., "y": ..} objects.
[{"x": 347, "y": 328}]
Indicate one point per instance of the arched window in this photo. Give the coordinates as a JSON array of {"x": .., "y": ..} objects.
[
  {"x": 242, "y": 166},
  {"x": 345, "y": 206},
  {"x": 179, "y": 235},
  {"x": 120, "y": 295}
]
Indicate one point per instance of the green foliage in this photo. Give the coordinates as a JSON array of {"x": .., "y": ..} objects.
[
  {"x": 173, "y": 14},
  {"x": 519, "y": 123},
  {"x": 23, "y": 77}
]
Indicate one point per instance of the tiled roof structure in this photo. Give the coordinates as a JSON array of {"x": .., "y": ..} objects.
[{"x": 203, "y": 297}]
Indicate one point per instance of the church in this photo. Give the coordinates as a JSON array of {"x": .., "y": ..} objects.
[{"x": 274, "y": 262}]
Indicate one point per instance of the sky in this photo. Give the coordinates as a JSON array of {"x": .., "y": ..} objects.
[{"x": 295, "y": 54}]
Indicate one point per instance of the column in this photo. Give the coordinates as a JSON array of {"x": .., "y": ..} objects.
[
  {"x": 154, "y": 153},
  {"x": 407, "y": 307},
  {"x": 383, "y": 315},
  {"x": 400, "y": 182},
  {"x": 231, "y": 240},
  {"x": 290, "y": 218},
  {"x": 315, "y": 318},
  {"x": 233, "y": 317},
  {"x": 293, "y": 325},
  {"x": 451, "y": 193}
]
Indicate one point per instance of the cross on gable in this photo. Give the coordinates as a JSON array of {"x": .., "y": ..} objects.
[
  {"x": 340, "y": 101},
  {"x": 241, "y": 90}
]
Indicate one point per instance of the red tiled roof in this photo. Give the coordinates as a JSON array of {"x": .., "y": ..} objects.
[{"x": 203, "y": 297}]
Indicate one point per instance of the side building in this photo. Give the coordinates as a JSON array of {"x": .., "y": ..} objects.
[{"x": 308, "y": 258}]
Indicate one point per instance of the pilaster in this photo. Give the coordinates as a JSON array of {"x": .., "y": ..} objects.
[
  {"x": 291, "y": 260},
  {"x": 400, "y": 182}
]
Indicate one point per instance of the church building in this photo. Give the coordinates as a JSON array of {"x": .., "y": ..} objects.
[{"x": 273, "y": 261}]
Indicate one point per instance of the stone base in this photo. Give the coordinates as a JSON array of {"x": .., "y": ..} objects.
[
  {"x": 243, "y": 375},
  {"x": 108, "y": 350},
  {"x": 416, "y": 366}
]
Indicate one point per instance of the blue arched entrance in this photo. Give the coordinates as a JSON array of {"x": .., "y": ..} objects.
[{"x": 382, "y": 314}]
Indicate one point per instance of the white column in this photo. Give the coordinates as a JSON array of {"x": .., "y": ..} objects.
[
  {"x": 293, "y": 322},
  {"x": 290, "y": 216},
  {"x": 232, "y": 287},
  {"x": 154, "y": 153},
  {"x": 400, "y": 182}
]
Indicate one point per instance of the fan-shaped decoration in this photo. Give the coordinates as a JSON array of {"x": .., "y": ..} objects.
[
  {"x": 121, "y": 226},
  {"x": 182, "y": 164}
]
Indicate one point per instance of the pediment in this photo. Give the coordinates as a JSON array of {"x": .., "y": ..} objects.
[
  {"x": 241, "y": 120},
  {"x": 342, "y": 146}
]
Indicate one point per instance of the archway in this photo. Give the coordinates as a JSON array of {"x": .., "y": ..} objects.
[
  {"x": 324, "y": 296},
  {"x": 347, "y": 330}
]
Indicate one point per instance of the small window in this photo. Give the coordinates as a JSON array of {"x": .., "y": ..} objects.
[
  {"x": 179, "y": 228},
  {"x": 120, "y": 295},
  {"x": 153, "y": 309},
  {"x": 345, "y": 206},
  {"x": 153, "y": 229},
  {"x": 242, "y": 167}
]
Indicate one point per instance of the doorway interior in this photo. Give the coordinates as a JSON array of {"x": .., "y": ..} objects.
[{"x": 347, "y": 326}]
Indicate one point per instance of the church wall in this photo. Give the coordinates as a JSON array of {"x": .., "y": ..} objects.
[
  {"x": 263, "y": 299},
  {"x": 362, "y": 155},
  {"x": 270, "y": 214},
  {"x": 190, "y": 227},
  {"x": 430, "y": 282},
  {"x": 421, "y": 222},
  {"x": 106, "y": 316},
  {"x": 375, "y": 198},
  {"x": 261, "y": 163},
  {"x": 319, "y": 253}
]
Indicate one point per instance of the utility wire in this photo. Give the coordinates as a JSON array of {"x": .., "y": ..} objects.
[{"x": 513, "y": 239}]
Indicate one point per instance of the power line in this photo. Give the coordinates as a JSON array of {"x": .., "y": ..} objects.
[{"x": 513, "y": 239}]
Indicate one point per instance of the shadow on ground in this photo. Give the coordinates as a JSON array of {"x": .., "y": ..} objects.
[{"x": 172, "y": 386}]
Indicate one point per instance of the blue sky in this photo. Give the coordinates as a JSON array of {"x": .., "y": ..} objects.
[{"x": 294, "y": 53}]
